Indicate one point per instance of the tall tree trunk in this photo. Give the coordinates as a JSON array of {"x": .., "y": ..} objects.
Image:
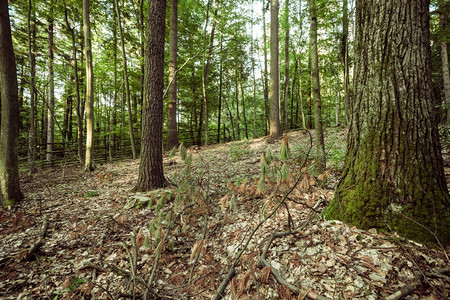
[
  {"x": 219, "y": 116},
  {"x": 205, "y": 70},
  {"x": 32, "y": 139},
  {"x": 77, "y": 87},
  {"x": 309, "y": 116},
  {"x": 293, "y": 123},
  {"x": 252, "y": 51},
  {"x": 337, "y": 104},
  {"x": 393, "y": 176},
  {"x": 444, "y": 57},
  {"x": 89, "y": 161},
  {"x": 275, "y": 126},
  {"x": 236, "y": 97},
  {"x": 194, "y": 108},
  {"x": 151, "y": 175},
  {"x": 202, "y": 106},
  {"x": 9, "y": 127},
  {"x": 44, "y": 127},
  {"x": 172, "y": 132},
  {"x": 286, "y": 68},
  {"x": 230, "y": 115},
  {"x": 116, "y": 142},
  {"x": 51, "y": 90},
  {"x": 302, "y": 110},
  {"x": 265, "y": 79},
  {"x": 344, "y": 55},
  {"x": 127, "y": 83},
  {"x": 142, "y": 49},
  {"x": 67, "y": 114},
  {"x": 318, "y": 129},
  {"x": 243, "y": 106}
]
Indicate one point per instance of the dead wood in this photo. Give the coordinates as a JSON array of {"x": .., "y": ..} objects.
[
  {"x": 38, "y": 244},
  {"x": 404, "y": 291}
]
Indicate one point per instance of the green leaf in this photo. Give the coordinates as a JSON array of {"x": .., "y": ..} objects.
[
  {"x": 268, "y": 156},
  {"x": 182, "y": 151},
  {"x": 172, "y": 153}
]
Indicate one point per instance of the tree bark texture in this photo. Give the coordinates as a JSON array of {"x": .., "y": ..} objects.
[
  {"x": 393, "y": 176},
  {"x": 172, "y": 132},
  {"x": 151, "y": 175},
  {"x": 9, "y": 127},
  {"x": 318, "y": 128},
  {"x": 274, "y": 91},
  {"x": 445, "y": 69},
  {"x": 89, "y": 162}
]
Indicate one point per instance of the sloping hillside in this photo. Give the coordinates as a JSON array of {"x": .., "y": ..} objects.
[{"x": 233, "y": 221}]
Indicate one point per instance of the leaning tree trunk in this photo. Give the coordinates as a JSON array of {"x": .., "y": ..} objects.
[
  {"x": 151, "y": 175},
  {"x": 393, "y": 176},
  {"x": 89, "y": 162},
  {"x": 9, "y": 127},
  {"x": 172, "y": 132}
]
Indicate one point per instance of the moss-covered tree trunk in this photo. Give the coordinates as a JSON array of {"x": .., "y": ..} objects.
[
  {"x": 393, "y": 176},
  {"x": 151, "y": 175}
]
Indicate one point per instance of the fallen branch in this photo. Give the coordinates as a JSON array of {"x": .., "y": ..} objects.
[
  {"x": 99, "y": 255},
  {"x": 282, "y": 281},
  {"x": 404, "y": 291},
  {"x": 36, "y": 246}
]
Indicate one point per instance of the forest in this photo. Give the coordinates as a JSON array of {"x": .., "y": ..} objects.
[{"x": 208, "y": 149}]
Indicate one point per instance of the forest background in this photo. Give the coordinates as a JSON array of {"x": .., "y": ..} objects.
[{"x": 223, "y": 48}]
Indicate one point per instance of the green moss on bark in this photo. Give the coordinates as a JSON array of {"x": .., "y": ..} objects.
[{"x": 406, "y": 209}]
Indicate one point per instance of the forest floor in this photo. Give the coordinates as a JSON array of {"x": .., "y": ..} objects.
[{"x": 89, "y": 236}]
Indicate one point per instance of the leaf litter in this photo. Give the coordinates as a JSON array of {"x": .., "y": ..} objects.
[{"x": 216, "y": 218}]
